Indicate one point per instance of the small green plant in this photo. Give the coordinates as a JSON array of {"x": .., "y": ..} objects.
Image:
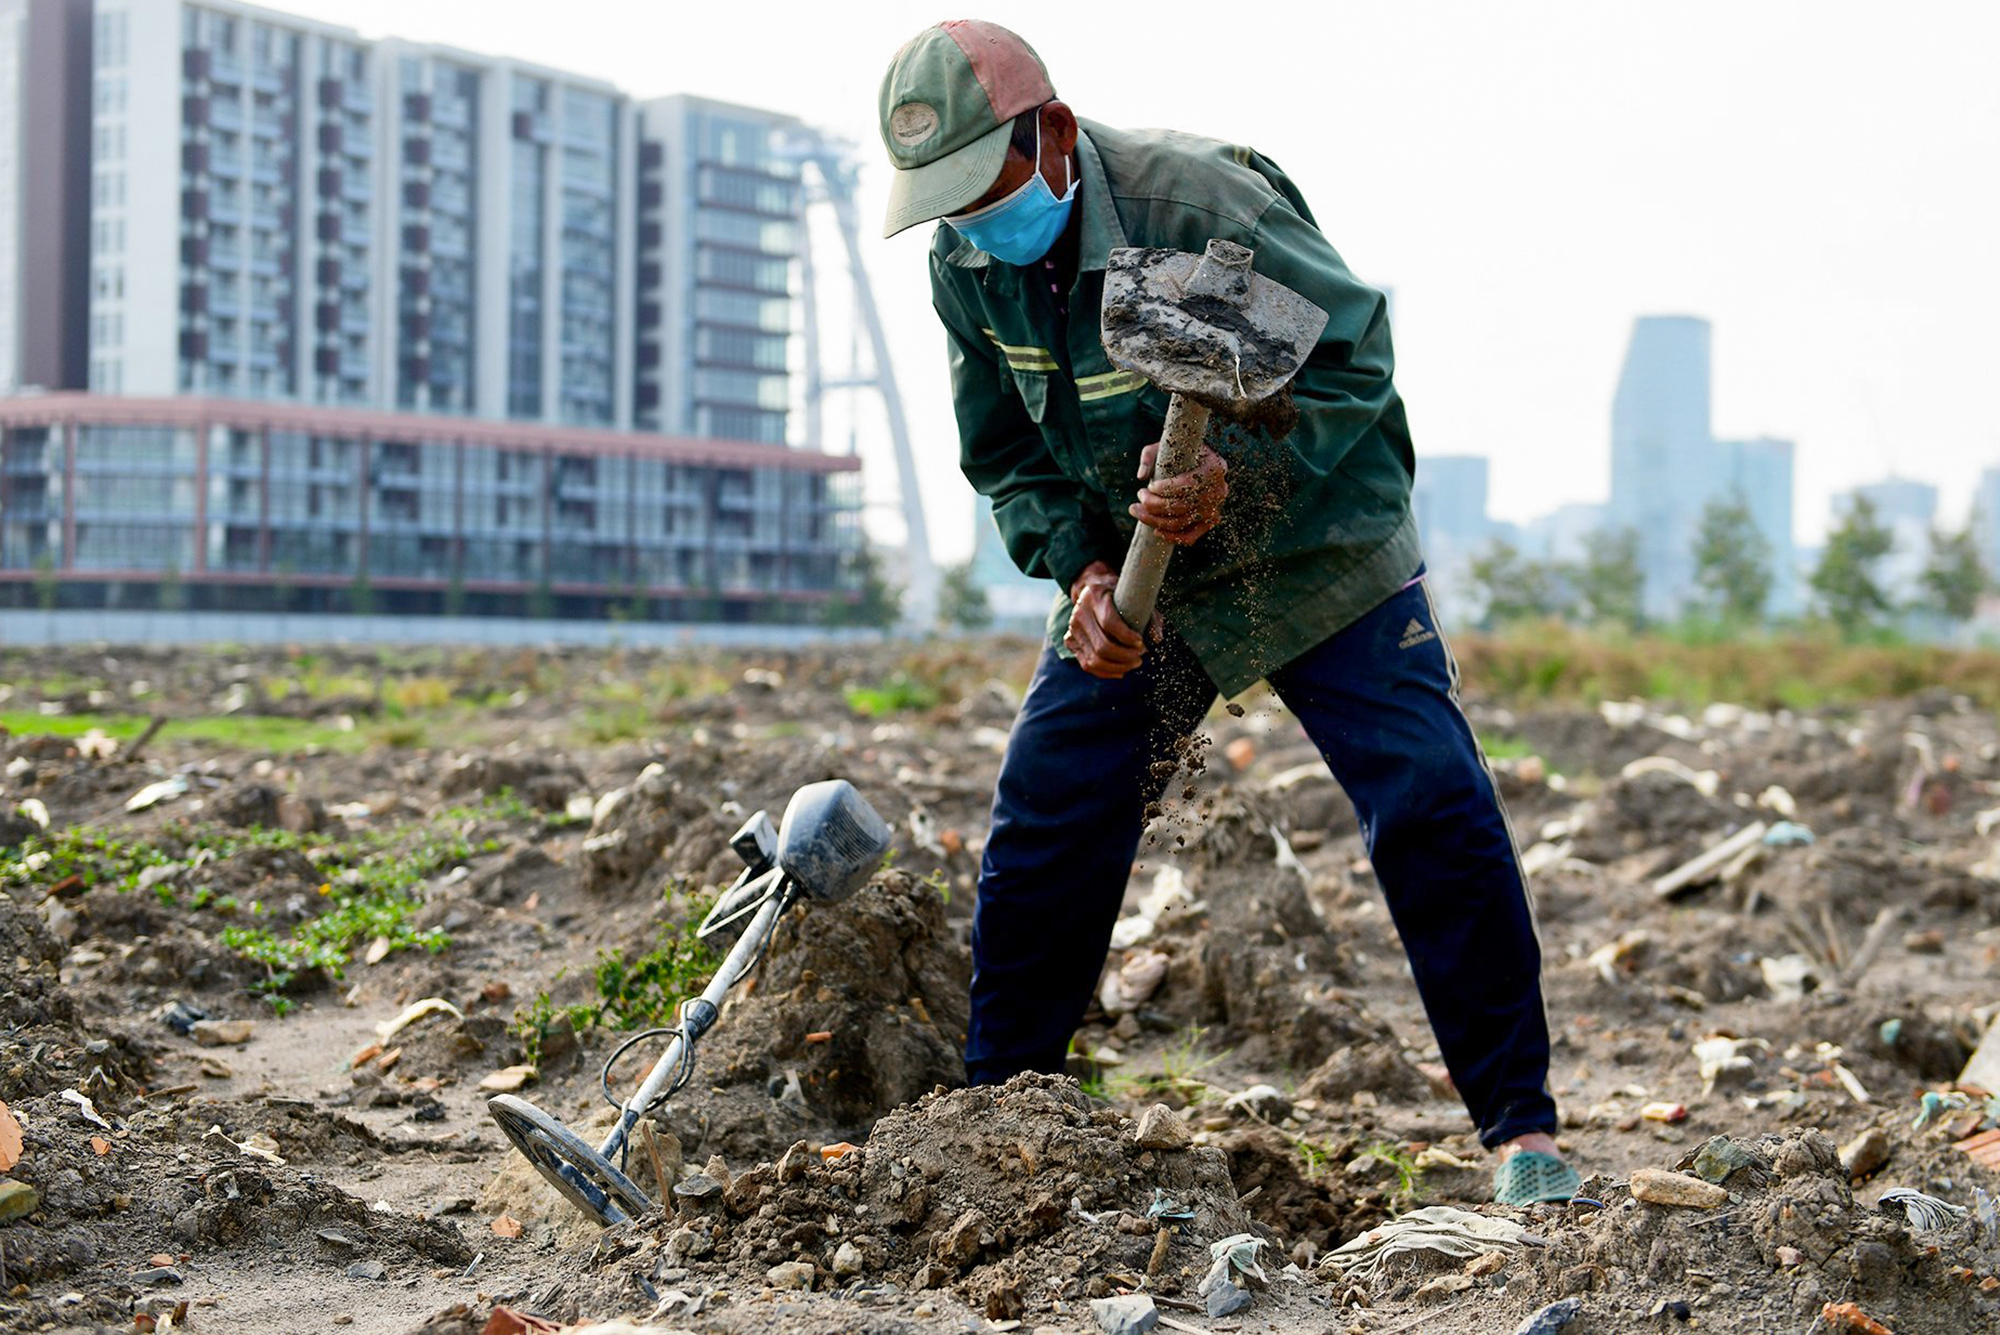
[
  {"x": 1408, "y": 1175},
  {"x": 940, "y": 883},
  {"x": 899, "y": 693},
  {"x": 1505, "y": 748},
  {"x": 373, "y": 894},
  {"x": 541, "y": 1018},
  {"x": 1181, "y": 1066},
  {"x": 646, "y": 990},
  {"x": 618, "y": 723},
  {"x": 642, "y": 992},
  {"x": 46, "y": 859}
]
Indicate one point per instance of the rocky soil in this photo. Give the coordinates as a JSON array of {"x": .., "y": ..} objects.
[{"x": 214, "y": 1122}]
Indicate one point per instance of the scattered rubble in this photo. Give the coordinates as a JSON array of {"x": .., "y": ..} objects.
[{"x": 1774, "y": 1072}]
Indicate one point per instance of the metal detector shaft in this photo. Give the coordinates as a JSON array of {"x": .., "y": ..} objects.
[{"x": 696, "y": 1019}]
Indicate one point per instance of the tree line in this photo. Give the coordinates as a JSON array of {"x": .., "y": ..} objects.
[{"x": 1734, "y": 576}]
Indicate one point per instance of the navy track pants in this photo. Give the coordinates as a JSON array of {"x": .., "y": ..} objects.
[{"x": 1379, "y": 700}]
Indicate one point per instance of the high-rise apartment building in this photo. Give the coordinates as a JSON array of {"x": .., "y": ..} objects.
[
  {"x": 45, "y": 92},
  {"x": 721, "y": 218},
  {"x": 284, "y": 215}
]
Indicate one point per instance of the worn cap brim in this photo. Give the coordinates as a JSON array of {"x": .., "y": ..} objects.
[{"x": 946, "y": 186}]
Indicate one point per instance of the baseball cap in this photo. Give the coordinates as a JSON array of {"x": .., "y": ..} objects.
[{"x": 948, "y": 105}]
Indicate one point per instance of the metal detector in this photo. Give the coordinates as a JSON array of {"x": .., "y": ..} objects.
[{"x": 831, "y": 841}]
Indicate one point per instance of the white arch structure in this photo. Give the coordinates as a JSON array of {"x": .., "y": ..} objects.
[{"x": 835, "y": 168}]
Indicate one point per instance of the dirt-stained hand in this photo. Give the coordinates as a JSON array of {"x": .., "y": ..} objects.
[
  {"x": 1103, "y": 644},
  {"x": 1181, "y": 509}
]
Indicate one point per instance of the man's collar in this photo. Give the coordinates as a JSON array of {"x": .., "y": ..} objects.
[{"x": 1102, "y": 232}]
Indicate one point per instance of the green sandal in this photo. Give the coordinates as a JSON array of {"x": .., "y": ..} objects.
[{"x": 1530, "y": 1177}]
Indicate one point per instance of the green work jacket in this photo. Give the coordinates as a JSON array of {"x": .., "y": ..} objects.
[{"x": 1317, "y": 529}]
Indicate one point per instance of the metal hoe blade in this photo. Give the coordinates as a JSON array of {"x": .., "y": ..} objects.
[{"x": 1207, "y": 325}]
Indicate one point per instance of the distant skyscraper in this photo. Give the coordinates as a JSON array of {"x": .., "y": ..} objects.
[
  {"x": 1663, "y": 466},
  {"x": 1986, "y": 517},
  {"x": 1759, "y": 473},
  {"x": 44, "y": 193},
  {"x": 1449, "y": 497}
]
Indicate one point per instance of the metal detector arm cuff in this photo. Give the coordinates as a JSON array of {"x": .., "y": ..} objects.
[{"x": 1346, "y": 387}]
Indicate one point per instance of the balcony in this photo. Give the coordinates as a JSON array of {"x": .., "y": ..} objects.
[{"x": 225, "y": 113}]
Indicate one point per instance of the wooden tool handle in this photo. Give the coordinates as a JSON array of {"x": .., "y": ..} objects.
[{"x": 1146, "y": 560}]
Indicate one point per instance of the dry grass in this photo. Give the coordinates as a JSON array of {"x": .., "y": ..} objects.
[{"x": 1559, "y": 664}]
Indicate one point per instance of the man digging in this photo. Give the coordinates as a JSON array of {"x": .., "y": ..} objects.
[{"x": 1307, "y": 574}]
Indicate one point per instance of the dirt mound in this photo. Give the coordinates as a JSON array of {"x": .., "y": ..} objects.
[
  {"x": 655, "y": 820},
  {"x": 1652, "y": 811},
  {"x": 858, "y": 1008},
  {"x": 42, "y": 1046},
  {"x": 1856, "y": 872},
  {"x": 543, "y": 781},
  {"x": 1791, "y": 1239},
  {"x": 164, "y": 1185},
  {"x": 1013, "y": 1197}
]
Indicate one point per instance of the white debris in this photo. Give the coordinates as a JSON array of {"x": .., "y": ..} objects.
[
  {"x": 415, "y": 1011},
  {"x": 1709, "y": 864},
  {"x": 1287, "y": 859},
  {"x": 1777, "y": 799},
  {"x": 84, "y": 1105},
  {"x": 1622, "y": 714},
  {"x": 1726, "y": 1060},
  {"x": 1608, "y": 959},
  {"x": 1441, "y": 1229},
  {"x": 155, "y": 793},
  {"x": 1706, "y": 782},
  {"x": 1312, "y": 772},
  {"x": 1133, "y": 983},
  {"x": 1787, "y": 976}
]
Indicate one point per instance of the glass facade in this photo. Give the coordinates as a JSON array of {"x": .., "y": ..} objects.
[
  {"x": 589, "y": 256},
  {"x": 31, "y": 498},
  {"x": 239, "y": 196},
  {"x": 260, "y": 503},
  {"x": 438, "y": 173},
  {"x": 716, "y": 307},
  {"x": 528, "y": 204}
]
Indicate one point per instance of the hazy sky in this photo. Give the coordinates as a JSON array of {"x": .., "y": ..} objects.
[{"x": 1821, "y": 180}]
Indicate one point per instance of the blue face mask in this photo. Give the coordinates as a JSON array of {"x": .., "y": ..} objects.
[{"x": 1021, "y": 227}]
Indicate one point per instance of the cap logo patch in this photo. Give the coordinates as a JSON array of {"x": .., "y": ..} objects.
[{"x": 913, "y": 122}]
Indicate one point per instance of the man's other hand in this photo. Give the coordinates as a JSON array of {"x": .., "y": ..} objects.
[
  {"x": 1181, "y": 509},
  {"x": 1103, "y": 644}
]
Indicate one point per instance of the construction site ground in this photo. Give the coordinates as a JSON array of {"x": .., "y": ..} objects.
[{"x": 316, "y": 840}]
